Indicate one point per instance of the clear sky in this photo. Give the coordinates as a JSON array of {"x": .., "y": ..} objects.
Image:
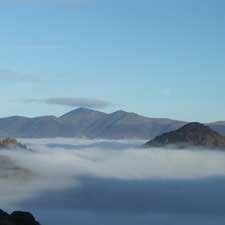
[{"x": 160, "y": 58}]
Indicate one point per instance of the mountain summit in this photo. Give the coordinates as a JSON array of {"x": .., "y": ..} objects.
[
  {"x": 192, "y": 134},
  {"x": 82, "y": 113}
]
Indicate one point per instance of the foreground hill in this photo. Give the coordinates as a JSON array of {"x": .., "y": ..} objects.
[
  {"x": 190, "y": 135},
  {"x": 17, "y": 218},
  {"x": 92, "y": 124}
]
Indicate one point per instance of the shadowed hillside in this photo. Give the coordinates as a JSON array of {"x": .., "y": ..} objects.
[{"x": 192, "y": 134}]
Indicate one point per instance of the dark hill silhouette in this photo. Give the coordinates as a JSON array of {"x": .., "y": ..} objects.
[
  {"x": 17, "y": 218},
  {"x": 192, "y": 134}
]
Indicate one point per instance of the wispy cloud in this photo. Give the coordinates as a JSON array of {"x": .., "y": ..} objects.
[{"x": 74, "y": 102}]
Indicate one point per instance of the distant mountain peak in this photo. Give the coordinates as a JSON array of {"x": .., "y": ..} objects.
[
  {"x": 119, "y": 112},
  {"x": 81, "y": 111},
  {"x": 192, "y": 134}
]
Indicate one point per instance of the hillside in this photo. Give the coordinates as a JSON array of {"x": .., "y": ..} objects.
[{"x": 190, "y": 135}]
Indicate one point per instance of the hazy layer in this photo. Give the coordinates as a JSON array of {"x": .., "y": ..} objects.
[
  {"x": 80, "y": 177},
  {"x": 120, "y": 159}
]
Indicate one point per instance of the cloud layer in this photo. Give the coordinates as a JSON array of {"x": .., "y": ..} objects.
[
  {"x": 74, "y": 102},
  {"x": 82, "y": 182}
]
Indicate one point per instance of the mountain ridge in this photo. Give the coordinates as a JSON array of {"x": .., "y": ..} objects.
[{"x": 83, "y": 122}]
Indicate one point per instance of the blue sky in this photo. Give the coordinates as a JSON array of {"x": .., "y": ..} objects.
[{"x": 158, "y": 58}]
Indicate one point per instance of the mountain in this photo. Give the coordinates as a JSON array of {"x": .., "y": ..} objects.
[
  {"x": 218, "y": 126},
  {"x": 77, "y": 122},
  {"x": 121, "y": 125},
  {"x": 89, "y": 123},
  {"x": 83, "y": 114},
  {"x": 190, "y": 135}
]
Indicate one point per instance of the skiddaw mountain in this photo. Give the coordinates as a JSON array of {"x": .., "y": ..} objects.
[{"x": 92, "y": 124}]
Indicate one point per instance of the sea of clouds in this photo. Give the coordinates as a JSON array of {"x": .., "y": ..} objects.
[{"x": 94, "y": 182}]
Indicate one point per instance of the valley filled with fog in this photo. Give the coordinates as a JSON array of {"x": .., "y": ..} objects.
[{"x": 94, "y": 182}]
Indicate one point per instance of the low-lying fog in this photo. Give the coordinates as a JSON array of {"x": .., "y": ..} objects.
[{"x": 94, "y": 182}]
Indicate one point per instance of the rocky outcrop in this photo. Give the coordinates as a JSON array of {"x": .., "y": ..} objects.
[
  {"x": 11, "y": 143},
  {"x": 190, "y": 135},
  {"x": 17, "y": 218}
]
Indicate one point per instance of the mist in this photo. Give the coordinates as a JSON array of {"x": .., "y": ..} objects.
[{"x": 79, "y": 181}]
